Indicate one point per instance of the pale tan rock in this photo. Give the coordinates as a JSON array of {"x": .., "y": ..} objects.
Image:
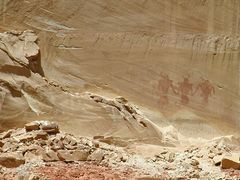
[
  {"x": 40, "y": 135},
  {"x": 98, "y": 137},
  {"x": 65, "y": 155},
  {"x": 121, "y": 99},
  {"x": 49, "y": 127},
  {"x": 25, "y": 138},
  {"x": 194, "y": 162},
  {"x": 80, "y": 155},
  {"x": 32, "y": 126},
  {"x": 49, "y": 156},
  {"x": 32, "y": 147},
  {"x": 6, "y": 134},
  {"x": 11, "y": 160},
  {"x": 69, "y": 140},
  {"x": 27, "y": 177},
  {"x": 75, "y": 155},
  {"x": 33, "y": 177},
  {"x": 211, "y": 155},
  {"x": 217, "y": 160},
  {"x": 10, "y": 146},
  {"x": 97, "y": 155},
  {"x": 56, "y": 144},
  {"x": 96, "y": 98},
  {"x": 32, "y": 157}
]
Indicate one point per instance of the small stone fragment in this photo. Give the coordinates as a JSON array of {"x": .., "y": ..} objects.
[
  {"x": 32, "y": 126},
  {"x": 6, "y": 134},
  {"x": 194, "y": 162},
  {"x": 217, "y": 160},
  {"x": 41, "y": 135},
  {"x": 1, "y": 144},
  {"x": 49, "y": 127},
  {"x": 211, "y": 155}
]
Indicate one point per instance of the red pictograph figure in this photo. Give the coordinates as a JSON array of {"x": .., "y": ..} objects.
[
  {"x": 206, "y": 89},
  {"x": 185, "y": 88},
  {"x": 164, "y": 85}
]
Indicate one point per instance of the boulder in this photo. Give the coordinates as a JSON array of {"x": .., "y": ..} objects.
[
  {"x": 76, "y": 155},
  {"x": 49, "y": 127},
  {"x": 97, "y": 156},
  {"x": 230, "y": 163},
  {"x": 32, "y": 157},
  {"x": 49, "y": 156},
  {"x": 65, "y": 155},
  {"x": 70, "y": 140},
  {"x": 11, "y": 160},
  {"x": 80, "y": 155},
  {"x": 32, "y": 126}
]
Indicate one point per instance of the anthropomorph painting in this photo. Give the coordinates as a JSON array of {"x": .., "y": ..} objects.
[{"x": 184, "y": 89}]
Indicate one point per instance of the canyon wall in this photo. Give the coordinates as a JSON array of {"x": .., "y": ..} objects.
[{"x": 178, "y": 60}]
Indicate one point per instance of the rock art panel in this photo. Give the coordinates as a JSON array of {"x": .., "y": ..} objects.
[
  {"x": 165, "y": 84},
  {"x": 185, "y": 90}
]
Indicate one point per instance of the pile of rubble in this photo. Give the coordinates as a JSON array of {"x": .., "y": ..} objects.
[{"x": 41, "y": 143}]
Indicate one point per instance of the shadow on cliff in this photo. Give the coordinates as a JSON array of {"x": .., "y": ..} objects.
[{"x": 35, "y": 64}]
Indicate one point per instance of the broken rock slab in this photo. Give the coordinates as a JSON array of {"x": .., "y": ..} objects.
[
  {"x": 97, "y": 156},
  {"x": 6, "y": 134},
  {"x": 76, "y": 155},
  {"x": 11, "y": 160},
  {"x": 47, "y": 126},
  {"x": 232, "y": 162},
  {"x": 32, "y": 126}
]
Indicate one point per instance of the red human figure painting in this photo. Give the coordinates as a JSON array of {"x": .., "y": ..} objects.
[
  {"x": 206, "y": 89},
  {"x": 185, "y": 88}
]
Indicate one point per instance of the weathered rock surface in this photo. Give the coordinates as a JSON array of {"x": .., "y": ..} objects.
[
  {"x": 178, "y": 61},
  {"x": 32, "y": 126},
  {"x": 27, "y": 148},
  {"x": 21, "y": 47},
  {"x": 11, "y": 160}
]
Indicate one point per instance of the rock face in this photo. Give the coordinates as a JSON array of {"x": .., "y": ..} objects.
[
  {"x": 21, "y": 47},
  {"x": 133, "y": 74},
  {"x": 177, "y": 60}
]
